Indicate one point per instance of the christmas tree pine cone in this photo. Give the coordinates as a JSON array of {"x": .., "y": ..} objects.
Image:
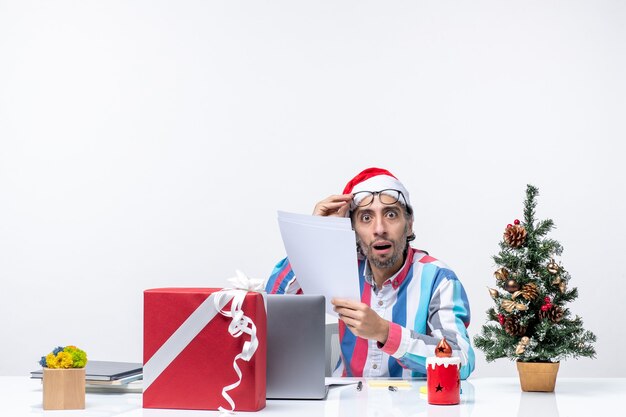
[
  {"x": 63, "y": 389},
  {"x": 538, "y": 376}
]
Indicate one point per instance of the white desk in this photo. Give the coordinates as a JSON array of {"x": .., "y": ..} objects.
[{"x": 496, "y": 397}]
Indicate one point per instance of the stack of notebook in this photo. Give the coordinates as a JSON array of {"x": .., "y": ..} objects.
[{"x": 109, "y": 376}]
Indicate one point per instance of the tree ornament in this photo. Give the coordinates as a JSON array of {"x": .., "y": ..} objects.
[
  {"x": 509, "y": 306},
  {"x": 557, "y": 280},
  {"x": 512, "y": 286},
  {"x": 529, "y": 291},
  {"x": 557, "y": 314},
  {"x": 547, "y": 300},
  {"x": 521, "y": 346},
  {"x": 516, "y": 221},
  {"x": 494, "y": 293},
  {"x": 515, "y": 236},
  {"x": 501, "y": 319},
  {"x": 501, "y": 274},
  {"x": 562, "y": 287},
  {"x": 513, "y": 327},
  {"x": 553, "y": 267},
  {"x": 552, "y": 312}
]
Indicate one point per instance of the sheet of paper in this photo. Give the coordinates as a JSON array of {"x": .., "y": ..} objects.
[
  {"x": 342, "y": 223},
  {"x": 341, "y": 380},
  {"x": 322, "y": 254}
]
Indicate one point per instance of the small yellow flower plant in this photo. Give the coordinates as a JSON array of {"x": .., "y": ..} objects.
[{"x": 64, "y": 358}]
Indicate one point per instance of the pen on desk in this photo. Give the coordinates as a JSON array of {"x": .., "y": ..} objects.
[{"x": 359, "y": 386}]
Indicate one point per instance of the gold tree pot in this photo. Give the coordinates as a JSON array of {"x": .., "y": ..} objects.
[{"x": 537, "y": 376}]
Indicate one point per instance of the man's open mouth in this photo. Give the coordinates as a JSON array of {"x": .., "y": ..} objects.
[{"x": 381, "y": 246}]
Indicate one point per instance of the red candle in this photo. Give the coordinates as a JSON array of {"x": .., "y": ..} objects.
[{"x": 443, "y": 376}]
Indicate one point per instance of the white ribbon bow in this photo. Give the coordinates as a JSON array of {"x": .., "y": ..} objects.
[
  {"x": 239, "y": 325},
  {"x": 242, "y": 282}
]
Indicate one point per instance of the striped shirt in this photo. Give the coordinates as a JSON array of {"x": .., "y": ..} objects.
[{"x": 424, "y": 301}]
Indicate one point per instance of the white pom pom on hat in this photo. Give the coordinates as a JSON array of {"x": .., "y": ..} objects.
[{"x": 375, "y": 179}]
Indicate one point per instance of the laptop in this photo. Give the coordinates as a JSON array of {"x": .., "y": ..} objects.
[{"x": 296, "y": 348}]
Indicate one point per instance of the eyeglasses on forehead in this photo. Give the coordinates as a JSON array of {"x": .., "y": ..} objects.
[{"x": 387, "y": 197}]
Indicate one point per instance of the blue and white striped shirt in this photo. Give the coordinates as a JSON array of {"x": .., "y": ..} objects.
[{"x": 424, "y": 302}]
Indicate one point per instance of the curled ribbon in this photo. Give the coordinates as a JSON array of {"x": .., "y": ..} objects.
[{"x": 239, "y": 325}]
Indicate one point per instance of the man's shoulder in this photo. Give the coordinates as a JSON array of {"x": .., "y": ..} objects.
[
  {"x": 423, "y": 257},
  {"x": 434, "y": 271}
]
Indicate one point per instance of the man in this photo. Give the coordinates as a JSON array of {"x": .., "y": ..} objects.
[{"x": 409, "y": 300}]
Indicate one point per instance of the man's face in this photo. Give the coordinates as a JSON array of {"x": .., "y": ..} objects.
[{"x": 382, "y": 232}]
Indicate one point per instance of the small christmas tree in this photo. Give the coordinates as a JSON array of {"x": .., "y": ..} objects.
[{"x": 530, "y": 322}]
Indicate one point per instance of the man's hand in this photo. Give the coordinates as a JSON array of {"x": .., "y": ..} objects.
[
  {"x": 361, "y": 319},
  {"x": 335, "y": 205}
]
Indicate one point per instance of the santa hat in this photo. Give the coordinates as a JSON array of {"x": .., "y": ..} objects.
[{"x": 376, "y": 179}]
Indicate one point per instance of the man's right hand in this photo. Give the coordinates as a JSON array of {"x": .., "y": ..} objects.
[{"x": 335, "y": 205}]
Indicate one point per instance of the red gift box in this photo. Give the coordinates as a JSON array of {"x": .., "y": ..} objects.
[{"x": 189, "y": 352}]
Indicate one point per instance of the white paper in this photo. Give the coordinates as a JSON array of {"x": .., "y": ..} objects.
[
  {"x": 342, "y": 223},
  {"x": 322, "y": 254}
]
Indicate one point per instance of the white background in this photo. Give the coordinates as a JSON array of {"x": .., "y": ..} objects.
[{"x": 150, "y": 143}]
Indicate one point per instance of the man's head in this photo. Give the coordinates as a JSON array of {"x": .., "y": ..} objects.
[{"x": 382, "y": 218}]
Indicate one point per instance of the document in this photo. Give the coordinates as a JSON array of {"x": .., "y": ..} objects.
[{"x": 322, "y": 254}]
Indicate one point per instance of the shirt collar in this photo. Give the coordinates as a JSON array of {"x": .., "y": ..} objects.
[{"x": 396, "y": 279}]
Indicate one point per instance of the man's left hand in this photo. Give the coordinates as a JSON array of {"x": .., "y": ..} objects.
[{"x": 361, "y": 319}]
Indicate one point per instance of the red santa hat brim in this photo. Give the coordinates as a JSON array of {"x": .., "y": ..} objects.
[{"x": 376, "y": 179}]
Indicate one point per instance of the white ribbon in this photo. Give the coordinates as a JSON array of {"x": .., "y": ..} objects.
[
  {"x": 239, "y": 325},
  {"x": 179, "y": 340}
]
